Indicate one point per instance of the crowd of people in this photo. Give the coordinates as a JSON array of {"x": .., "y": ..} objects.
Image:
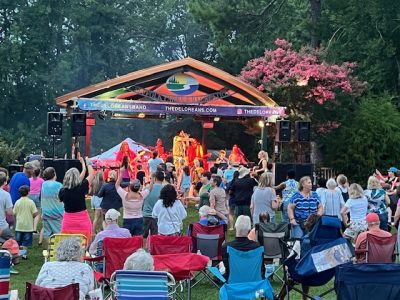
[{"x": 228, "y": 191}]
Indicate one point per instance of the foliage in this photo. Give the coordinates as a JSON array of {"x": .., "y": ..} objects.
[
  {"x": 368, "y": 139},
  {"x": 9, "y": 153}
]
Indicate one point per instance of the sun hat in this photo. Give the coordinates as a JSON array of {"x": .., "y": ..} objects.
[
  {"x": 243, "y": 172},
  {"x": 112, "y": 214},
  {"x": 393, "y": 169},
  {"x": 372, "y": 218}
]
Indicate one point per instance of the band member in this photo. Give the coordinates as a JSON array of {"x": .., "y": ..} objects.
[
  {"x": 160, "y": 149},
  {"x": 262, "y": 164},
  {"x": 237, "y": 155},
  {"x": 222, "y": 160},
  {"x": 195, "y": 150},
  {"x": 180, "y": 147},
  {"x": 127, "y": 158}
]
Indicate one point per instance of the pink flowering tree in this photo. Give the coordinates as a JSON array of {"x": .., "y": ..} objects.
[{"x": 301, "y": 80}]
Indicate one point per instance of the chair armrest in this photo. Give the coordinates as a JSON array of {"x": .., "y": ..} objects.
[
  {"x": 93, "y": 259},
  {"x": 215, "y": 271}
]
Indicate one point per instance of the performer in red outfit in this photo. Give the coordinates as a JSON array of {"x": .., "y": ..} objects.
[
  {"x": 160, "y": 149},
  {"x": 125, "y": 151},
  {"x": 237, "y": 155}
]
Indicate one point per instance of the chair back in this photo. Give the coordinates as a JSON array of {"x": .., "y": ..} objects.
[
  {"x": 5, "y": 263},
  {"x": 245, "y": 266},
  {"x": 273, "y": 245},
  {"x": 35, "y": 292},
  {"x": 117, "y": 250},
  {"x": 161, "y": 244},
  {"x": 208, "y": 239},
  {"x": 327, "y": 229},
  {"x": 140, "y": 285},
  {"x": 55, "y": 240},
  {"x": 380, "y": 249}
]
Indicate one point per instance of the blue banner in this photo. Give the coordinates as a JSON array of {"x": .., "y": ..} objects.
[{"x": 147, "y": 107}]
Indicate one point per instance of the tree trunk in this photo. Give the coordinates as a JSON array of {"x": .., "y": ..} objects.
[{"x": 315, "y": 18}]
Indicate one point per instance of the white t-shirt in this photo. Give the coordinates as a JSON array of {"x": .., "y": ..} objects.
[
  {"x": 169, "y": 219},
  {"x": 357, "y": 208},
  {"x": 5, "y": 203}
]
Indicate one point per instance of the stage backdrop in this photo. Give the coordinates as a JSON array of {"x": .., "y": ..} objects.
[{"x": 107, "y": 158}]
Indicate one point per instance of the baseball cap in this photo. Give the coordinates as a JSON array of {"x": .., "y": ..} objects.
[
  {"x": 112, "y": 214},
  {"x": 393, "y": 169},
  {"x": 372, "y": 218}
]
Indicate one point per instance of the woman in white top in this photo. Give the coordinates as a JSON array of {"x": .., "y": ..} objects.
[
  {"x": 169, "y": 212},
  {"x": 357, "y": 206},
  {"x": 67, "y": 269},
  {"x": 332, "y": 200},
  {"x": 132, "y": 201},
  {"x": 263, "y": 199}
]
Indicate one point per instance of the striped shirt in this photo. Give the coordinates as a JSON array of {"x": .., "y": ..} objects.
[{"x": 305, "y": 206}]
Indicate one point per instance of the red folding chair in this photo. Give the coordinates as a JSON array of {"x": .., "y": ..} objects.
[
  {"x": 115, "y": 252},
  {"x": 35, "y": 292},
  {"x": 379, "y": 249},
  {"x": 168, "y": 244}
]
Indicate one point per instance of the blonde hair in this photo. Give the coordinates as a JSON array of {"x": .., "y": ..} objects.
[
  {"x": 264, "y": 180},
  {"x": 264, "y": 154},
  {"x": 355, "y": 191},
  {"x": 112, "y": 175},
  {"x": 71, "y": 178},
  {"x": 97, "y": 183},
  {"x": 302, "y": 180},
  {"x": 373, "y": 183},
  {"x": 341, "y": 179}
]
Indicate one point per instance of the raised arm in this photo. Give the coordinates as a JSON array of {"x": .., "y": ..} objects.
[
  {"x": 119, "y": 179},
  {"x": 83, "y": 173}
]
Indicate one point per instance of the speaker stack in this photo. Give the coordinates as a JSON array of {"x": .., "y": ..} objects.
[
  {"x": 283, "y": 131},
  {"x": 78, "y": 124},
  {"x": 54, "y": 123},
  {"x": 303, "y": 131}
]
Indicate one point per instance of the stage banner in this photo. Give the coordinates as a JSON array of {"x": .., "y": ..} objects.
[{"x": 147, "y": 107}]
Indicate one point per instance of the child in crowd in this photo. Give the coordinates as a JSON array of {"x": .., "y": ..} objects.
[
  {"x": 25, "y": 211},
  {"x": 357, "y": 206}
]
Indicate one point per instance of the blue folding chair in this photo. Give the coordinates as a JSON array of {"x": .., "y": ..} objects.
[
  {"x": 368, "y": 281},
  {"x": 244, "y": 276},
  {"x": 141, "y": 285},
  {"x": 5, "y": 263}
]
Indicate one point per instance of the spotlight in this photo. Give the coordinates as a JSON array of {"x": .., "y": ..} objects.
[
  {"x": 261, "y": 123},
  {"x": 141, "y": 115},
  {"x": 216, "y": 119}
]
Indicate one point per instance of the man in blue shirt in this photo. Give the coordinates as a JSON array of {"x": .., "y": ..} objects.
[
  {"x": 154, "y": 162},
  {"x": 19, "y": 179}
]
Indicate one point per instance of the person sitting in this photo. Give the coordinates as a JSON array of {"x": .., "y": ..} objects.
[
  {"x": 208, "y": 216},
  {"x": 67, "y": 269},
  {"x": 241, "y": 242},
  {"x": 373, "y": 228},
  {"x": 112, "y": 230},
  {"x": 141, "y": 260},
  {"x": 263, "y": 218}
]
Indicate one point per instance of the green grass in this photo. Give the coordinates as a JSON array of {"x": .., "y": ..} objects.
[{"x": 29, "y": 269}]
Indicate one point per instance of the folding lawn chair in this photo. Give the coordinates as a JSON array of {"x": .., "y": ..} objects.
[
  {"x": 208, "y": 240},
  {"x": 378, "y": 249},
  {"x": 35, "y": 292},
  {"x": 245, "y": 276},
  {"x": 274, "y": 239},
  {"x": 167, "y": 244},
  {"x": 322, "y": 250},
  {"x": 127, "y": 284},
  {"x": 368, "y": 281},
  {"x": 5, "y": 263},
  {"x": 54, "y": 242},
  {"x": 115, "y": 252}
]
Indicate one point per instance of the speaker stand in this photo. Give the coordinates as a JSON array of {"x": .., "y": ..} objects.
[{"x": 54, "y": 146}]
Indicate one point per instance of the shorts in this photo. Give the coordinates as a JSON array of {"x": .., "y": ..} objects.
[
  {"x": 36, "y": 200},
  {"x": 134, "y": 225},
  {"x": 355, "y": 228},
  {"x": 24, "y": 238},
  {"x": 51, "y": 227},
  {"x": 95, "y": 202},
  {"x": 150, "y": 226}
]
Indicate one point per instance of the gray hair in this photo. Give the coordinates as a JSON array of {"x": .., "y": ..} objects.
[
  {"x": 204, "y": 210},
  {"x": 242, "y": 226},
  {"x": 69, "y": 250},
  {"x": 331, "y": 184},
  {"x": 71, "y": 178},
  {"x": 140, "y": 260}
]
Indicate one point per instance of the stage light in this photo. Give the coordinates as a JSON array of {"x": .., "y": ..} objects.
[
  {"x": 216, "y": 119},
  {"x": 141, "y": 115},
  {"x": 261, "y": 123}
]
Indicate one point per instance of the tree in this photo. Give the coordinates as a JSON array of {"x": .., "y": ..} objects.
[{"x": 369, "y": 139}]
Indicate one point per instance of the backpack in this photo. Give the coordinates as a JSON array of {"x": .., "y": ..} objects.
[{"x": 344, "y": 195}]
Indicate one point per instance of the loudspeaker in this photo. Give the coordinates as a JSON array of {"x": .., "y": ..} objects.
[
  {"x": 283, "y": 129},
  {"x": 303, "y": 131},
  {"x": 301, "y": 170},
  {"x": 61, "y": 166},
  {"x": 78, "y": 124},
  {"x": 54, "y": 123}
]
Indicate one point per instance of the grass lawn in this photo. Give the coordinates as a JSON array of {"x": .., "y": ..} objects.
[{"x": 28, "y": 270}]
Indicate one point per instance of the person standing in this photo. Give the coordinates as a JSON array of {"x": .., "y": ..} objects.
[
  {"x": 95, "y": 200},
  {"x": 75, "y": 187},
  {"x": 290, "y": 187},
  {"x": 109, "y": 195},
  {"x": 6, "y": 209},
  {"x": 154, "y": 162},
  {"x": 19, "y": 179},
  {"x": 243, "y": 190},
  {"x": 150, "y": 223},
  {"x": 52, "y": 208},
  {"x": 331, "y": 199},
  {"x": 218, "y": 198},
  {"x": 35, "y": 187},
  {"x": 263, "y": 200},
  {"x": 378, "y": 201},
  {"x": 302, "y": 204}
]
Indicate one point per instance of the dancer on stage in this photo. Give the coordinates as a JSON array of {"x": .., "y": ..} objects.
[
  {"x": 237, "y": 155},
  {"x": 180, "y": 147}
]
